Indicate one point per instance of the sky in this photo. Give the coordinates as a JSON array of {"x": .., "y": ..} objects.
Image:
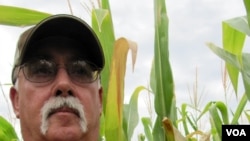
[{"x": 192, "y": 23}]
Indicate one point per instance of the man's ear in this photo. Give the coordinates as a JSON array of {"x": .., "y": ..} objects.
[{"x": 14, "y": 97}]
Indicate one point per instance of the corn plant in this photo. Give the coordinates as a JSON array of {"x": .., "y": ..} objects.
[
  {"x": 7, "y": 132},
  {"x": 237, "y": 62}
]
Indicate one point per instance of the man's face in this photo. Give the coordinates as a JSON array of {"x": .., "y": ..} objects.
[{"x": 60, "y": 108}]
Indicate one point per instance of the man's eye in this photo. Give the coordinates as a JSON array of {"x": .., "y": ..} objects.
[
  {"x": 79, "y": 70},
  {"x": 42, "y": 70},
  {"x": 41, "y": 67}
]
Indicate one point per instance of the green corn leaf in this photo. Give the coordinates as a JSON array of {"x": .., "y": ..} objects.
[
  {"x": 147, "y": 124},
  {"x": 131, "y": 116},
  {"x": 7, "y": 132},
  {"x": 230, "y": 58},
  {"x": 233, "y": 64},
  {"x": 240, "y": 62},
  {"x": 105, "y": 4},
  {"x": 223, "y": 111},
  {"x": 192, "y": 122},
  {"x": 239, "y": 24},
  {"x": 246, "y": 73},
  {"x": 103, "y": 27},
  {"x": 247, "y": 115},
  {"x": 214, "y": 132},
  {"x": 16, "y": 16},
  {"x": 247, "y": 6},
  {"x": 184, "y": 117},
  {"x": 158, "y": 132},
  {"x": 102, "y": 23},
  {"x": 206, "y": 109},
  {"x": 163, "y": 73},
  {"x": 240, "y": 109},
  {"x": 216, "y": 119},
  {"x": 234, "y": 31}
]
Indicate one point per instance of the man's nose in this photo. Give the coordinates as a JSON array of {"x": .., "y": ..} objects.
[{"x": 63, "y": 85}]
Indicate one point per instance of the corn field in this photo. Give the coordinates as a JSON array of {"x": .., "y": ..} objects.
[{"x": 171, "y": 123}]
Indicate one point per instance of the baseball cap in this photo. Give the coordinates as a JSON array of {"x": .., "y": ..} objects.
[{"x": 62, "y": 25}]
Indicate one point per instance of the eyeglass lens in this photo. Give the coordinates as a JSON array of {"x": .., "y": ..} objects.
[{"x": 43, "y": 70}]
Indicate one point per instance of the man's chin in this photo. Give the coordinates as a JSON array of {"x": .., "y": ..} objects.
[{"x": 64, "y": 133}]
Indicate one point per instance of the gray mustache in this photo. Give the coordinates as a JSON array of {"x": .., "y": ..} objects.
[{"x": 68, "y": 104}]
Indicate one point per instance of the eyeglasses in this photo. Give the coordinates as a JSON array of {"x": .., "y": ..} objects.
[{"x": 42, "y": 70}]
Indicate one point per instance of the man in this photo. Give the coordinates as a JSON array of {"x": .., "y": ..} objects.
[{"x": 56, "y": 90}]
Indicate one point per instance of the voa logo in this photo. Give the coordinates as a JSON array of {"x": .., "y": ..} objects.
[{"x": 236, "y": 132}]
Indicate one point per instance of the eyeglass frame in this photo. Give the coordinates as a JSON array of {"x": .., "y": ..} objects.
[{"x": 56, "y": 68}]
